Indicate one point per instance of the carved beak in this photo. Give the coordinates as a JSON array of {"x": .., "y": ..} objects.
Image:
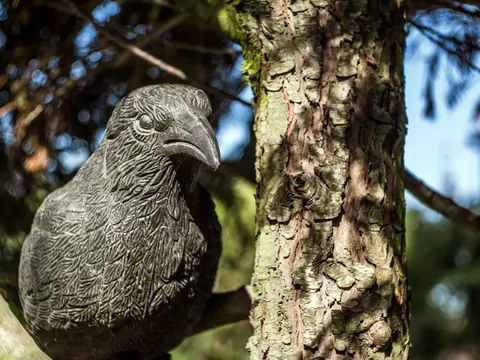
[{"x": 195, "y": 137}]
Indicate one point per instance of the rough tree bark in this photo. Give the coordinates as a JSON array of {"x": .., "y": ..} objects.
[{"x": 329, "y": 279}]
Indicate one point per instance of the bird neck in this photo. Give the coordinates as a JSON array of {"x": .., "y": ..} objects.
[{"x": 187, "y": 173}]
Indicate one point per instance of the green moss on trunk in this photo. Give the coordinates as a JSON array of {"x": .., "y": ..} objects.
[{"x": 229, "y": 18}]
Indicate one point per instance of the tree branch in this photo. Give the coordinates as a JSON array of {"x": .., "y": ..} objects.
[
  {"x": 201, "y": 49},
  {"x": 441, "y": 204},
  {"x": 428, "y": 5},
  {"x": 442, "y": 42},
  {"x": 166, "y": 26},
  {"x": 8, "y": 107},
  {"x": 135, "y": 50},
  {"x": 225, "y": 308},
  {"x": 15, "y": 342},
  {"x": 441, "y": 37}
]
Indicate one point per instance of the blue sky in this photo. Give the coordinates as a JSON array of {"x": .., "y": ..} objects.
[{"x": 440, "y": 147}]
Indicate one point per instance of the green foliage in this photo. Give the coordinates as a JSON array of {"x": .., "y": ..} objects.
[
  {"x": 236, "y": 265},
  {"x": 444, "y": 275},
  {"x": 12, "y": 235},
  {"x": 10, "y": 246}
]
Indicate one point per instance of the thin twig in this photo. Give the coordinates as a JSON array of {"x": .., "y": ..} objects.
[
  {"x": 8, "y": 107},
  {"x": 201, "y": 49},
  {"x": 441, "y": 204},
  {"x": 28, "y": 119},
  {"x": 168, "y": 68},
  {"x": 441, "y": 44},
  {"x": 22, "y": 125},
  {"x": 163, "y": 3},
  {"x": 441, "y": 36},
  {"x": 458, "y": 7},
  {"x": 167, "y": 25}
]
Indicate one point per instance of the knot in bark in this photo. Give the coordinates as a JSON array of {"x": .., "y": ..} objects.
[{"x": 304, "y": 186}]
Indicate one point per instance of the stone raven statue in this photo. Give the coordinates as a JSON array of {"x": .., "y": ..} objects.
[{"x": 120, "y": 262}]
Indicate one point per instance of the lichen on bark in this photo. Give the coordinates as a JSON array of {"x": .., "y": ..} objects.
[{"x": 329, "y": 279}]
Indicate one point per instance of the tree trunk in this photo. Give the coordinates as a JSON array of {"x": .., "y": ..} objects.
[{"x": 329, "y": 279}]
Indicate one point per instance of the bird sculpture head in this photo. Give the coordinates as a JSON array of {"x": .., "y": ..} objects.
[{"x": 172, "y": 116}]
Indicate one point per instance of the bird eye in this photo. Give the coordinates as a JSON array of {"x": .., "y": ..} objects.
[{"x": 146, "y": 122}]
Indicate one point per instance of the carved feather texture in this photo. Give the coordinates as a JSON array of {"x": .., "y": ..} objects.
[{"x": 122, "y": 258}]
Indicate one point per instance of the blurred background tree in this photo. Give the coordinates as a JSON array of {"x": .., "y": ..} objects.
[
  {"x": 60, "y": 78},
  {"x": 444, "y": 273}
]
